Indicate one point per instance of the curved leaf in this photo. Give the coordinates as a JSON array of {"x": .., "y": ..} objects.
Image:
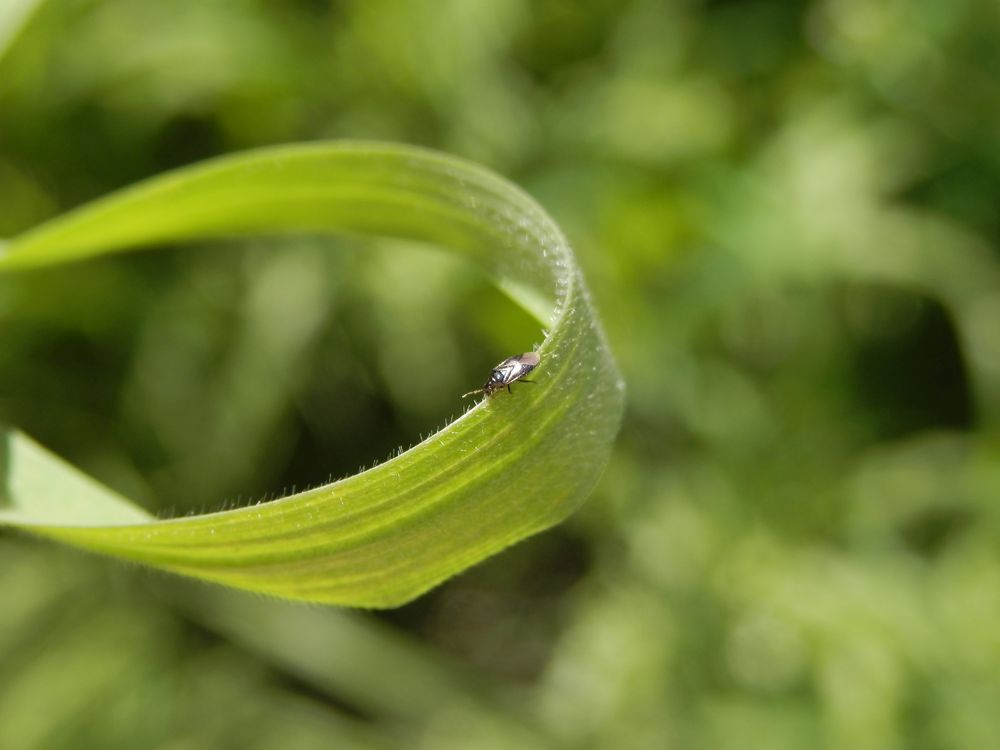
[{"x": 508, "y": 468}]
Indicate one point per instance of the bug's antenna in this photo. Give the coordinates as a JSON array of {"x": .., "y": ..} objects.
[{"x": 471, "y": 393}]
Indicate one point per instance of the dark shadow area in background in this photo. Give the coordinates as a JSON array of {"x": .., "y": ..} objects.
[{"x": 896, "y": 371}]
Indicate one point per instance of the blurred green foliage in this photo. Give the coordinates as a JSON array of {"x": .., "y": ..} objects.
[{"x": 788, "y": 216}]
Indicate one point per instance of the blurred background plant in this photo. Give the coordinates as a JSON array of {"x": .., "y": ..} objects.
[{"x": 787, "y": 212}]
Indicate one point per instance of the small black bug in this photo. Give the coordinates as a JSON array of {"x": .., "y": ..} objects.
[{"x": 505, "y": 373}]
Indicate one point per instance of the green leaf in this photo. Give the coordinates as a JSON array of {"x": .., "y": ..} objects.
[
  {"x": 508, "y": 468},
  {"x": 14, "y": 14}
]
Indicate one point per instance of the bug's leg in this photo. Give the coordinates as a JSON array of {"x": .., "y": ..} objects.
[
  {"x": 522, "y": 380},
  {"x": 508, "y": 388}
]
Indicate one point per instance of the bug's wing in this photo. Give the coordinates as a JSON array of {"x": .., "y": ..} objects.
[{"x": 508, "y": 371}]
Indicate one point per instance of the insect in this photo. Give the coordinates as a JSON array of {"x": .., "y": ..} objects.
[{"x": 505, "y": 373}]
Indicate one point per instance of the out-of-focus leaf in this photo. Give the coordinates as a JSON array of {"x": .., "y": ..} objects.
[{"x": 13, "y": 15}]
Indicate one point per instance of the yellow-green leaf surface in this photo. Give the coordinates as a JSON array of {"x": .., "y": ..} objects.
[{"x": 506, "y": 469}]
